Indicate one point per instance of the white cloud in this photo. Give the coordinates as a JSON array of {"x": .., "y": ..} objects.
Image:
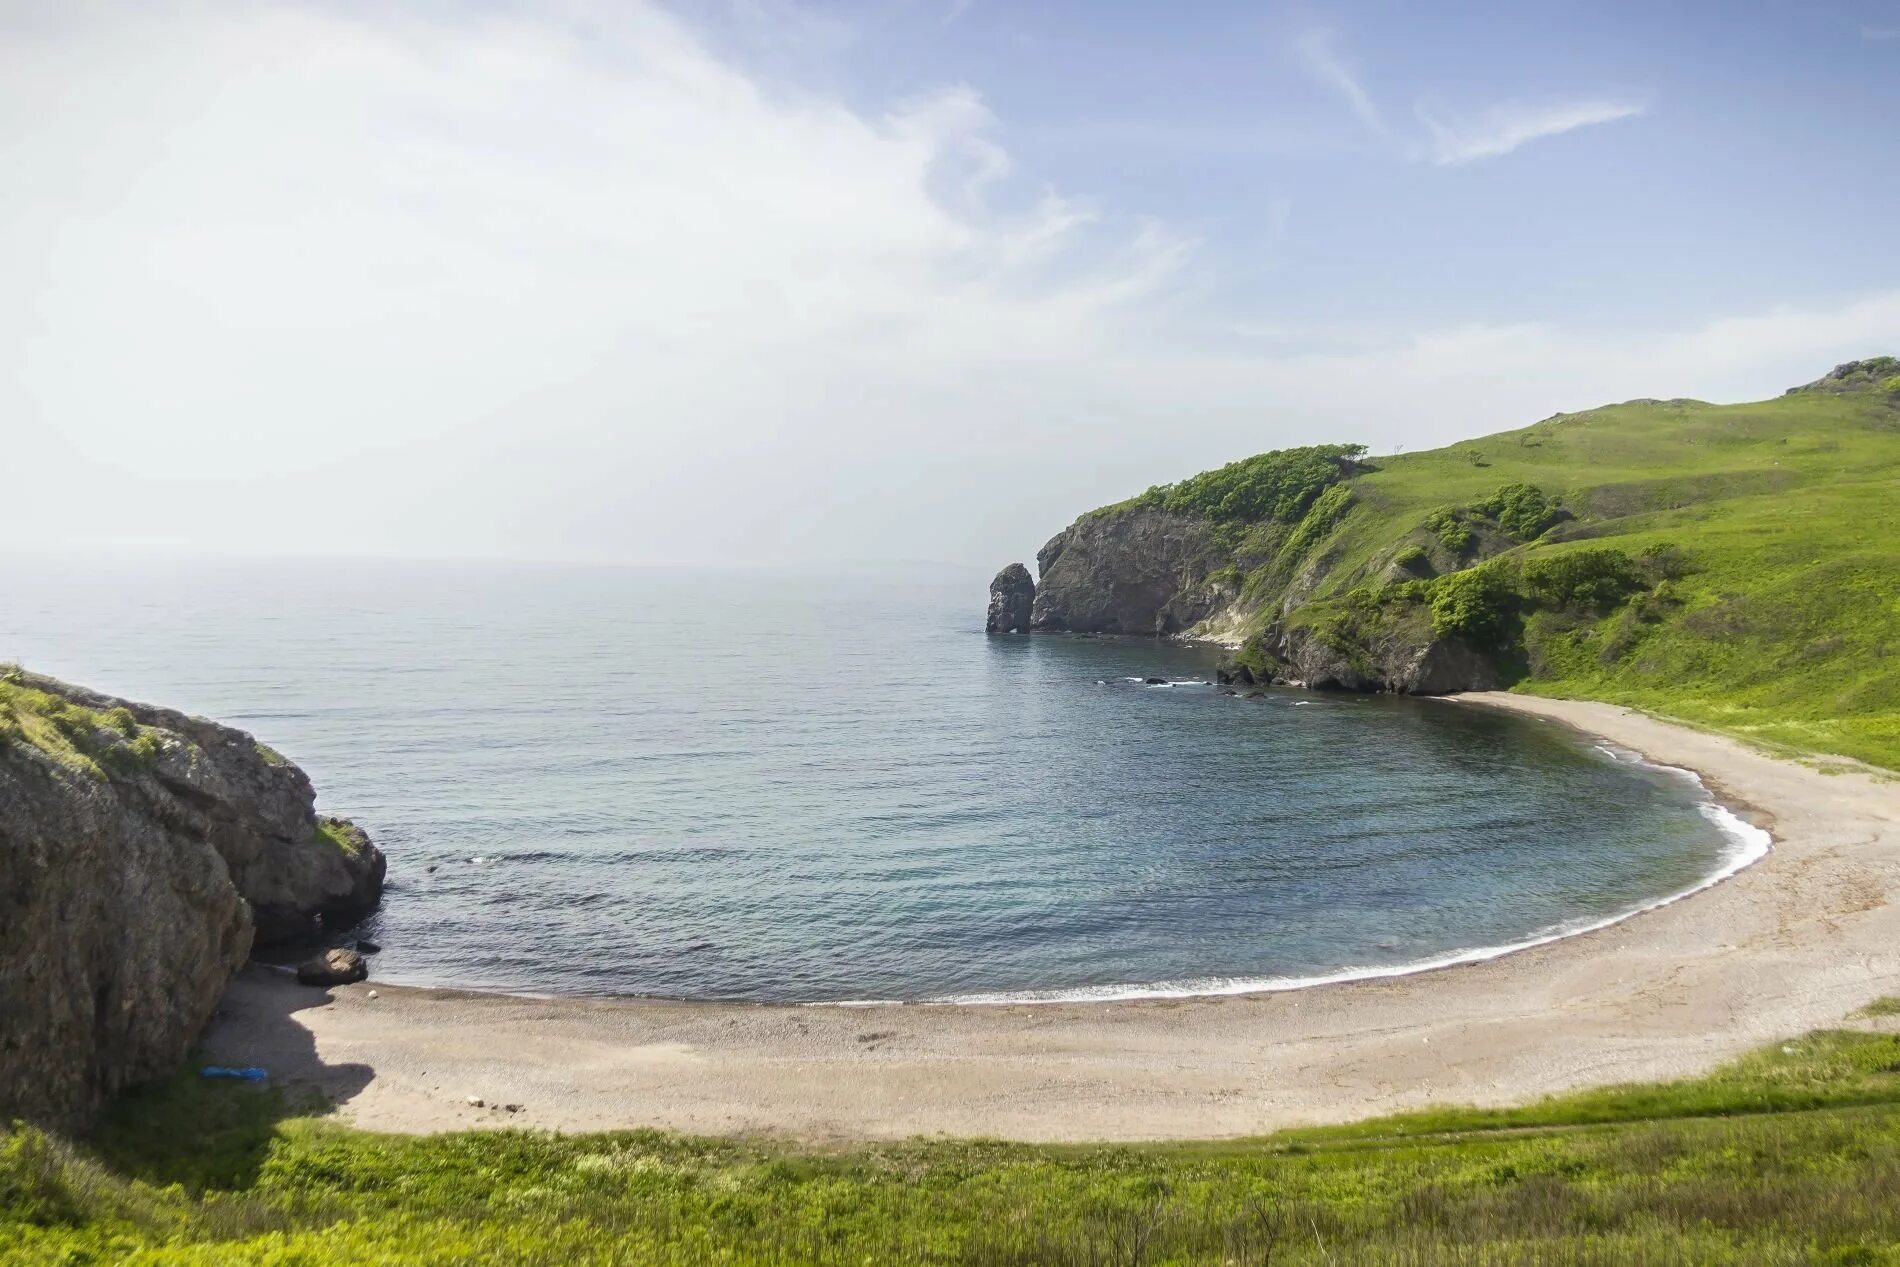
[
  {"x": 1880, "y": 32},
  {"x": 1324, "y": 62},
  {"x": 287, "y": 278},
  {"x": 1506, "y": 127}
]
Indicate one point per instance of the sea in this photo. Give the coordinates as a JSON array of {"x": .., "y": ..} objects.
[{"x": 831, "y": 786}]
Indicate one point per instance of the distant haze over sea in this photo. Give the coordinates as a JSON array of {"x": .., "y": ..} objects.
[{"x": 834, "y": 786}]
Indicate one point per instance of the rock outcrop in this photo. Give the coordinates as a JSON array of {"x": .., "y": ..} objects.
[
  {"x": 1012, "y": 601},
  {"x": 1876, "y": 374},
  {"x": 1130, "y": 571},
  {"x": 1406, "y": 661},
  {"x": 140, "y": 851}
]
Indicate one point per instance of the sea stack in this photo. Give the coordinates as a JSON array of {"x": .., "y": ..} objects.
[{"x": 1012, "y": 599}]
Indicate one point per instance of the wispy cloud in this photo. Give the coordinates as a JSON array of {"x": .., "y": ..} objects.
[
  {"x": 1880, "y": 32},
  {"x": 1323, "y": 61},
  {"x": 1448, "y": 139},
  {"x": 1506, "y": 127}
]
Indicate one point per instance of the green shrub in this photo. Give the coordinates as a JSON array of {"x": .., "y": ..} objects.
[
  {"x": 1585, "y": 580},
  {"x": 1891, "y": 385},
  {"x": 1448, "y": 525},
  {"x": 121, "y": 720},
  {"x": 1479, "y": 605},
  {"x": 1281, "y": 485},
  {"x": 1521, "y": 510}
]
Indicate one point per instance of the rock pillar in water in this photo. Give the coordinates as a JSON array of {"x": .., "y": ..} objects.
[{"x": 1012, "y": 598}]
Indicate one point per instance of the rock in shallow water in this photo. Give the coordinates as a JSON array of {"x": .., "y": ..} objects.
[{"x": 333, "y": 967}]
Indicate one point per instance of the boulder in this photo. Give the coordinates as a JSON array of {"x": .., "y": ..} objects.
[
  {"x": 333, "y": 967},
  {"x": 1012, "y": 601}
]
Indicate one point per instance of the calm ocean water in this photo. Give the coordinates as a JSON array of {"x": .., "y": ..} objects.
[{"x": 833, "y": 787}]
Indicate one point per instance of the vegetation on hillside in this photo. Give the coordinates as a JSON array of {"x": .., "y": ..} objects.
[
  {"x": 77, "y": 737},
  {"x": 1279, "y": 486},
  {"x": 1791, "y": 1155},
  {"x": 1734, "y": 566}
]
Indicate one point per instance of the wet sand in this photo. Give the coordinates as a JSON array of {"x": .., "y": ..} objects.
[{"x": 1792, "y": 943}]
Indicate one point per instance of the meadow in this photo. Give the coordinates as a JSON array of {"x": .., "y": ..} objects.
[{"x": 1789, "y": 1155}]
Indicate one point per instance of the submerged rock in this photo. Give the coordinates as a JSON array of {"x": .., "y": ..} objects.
[
  {"x": 1012, "y": 601},
  {"x": 140, "y": 852}
]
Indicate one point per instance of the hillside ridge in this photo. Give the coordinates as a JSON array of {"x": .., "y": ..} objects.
[{"x": 1736, "y": 566}]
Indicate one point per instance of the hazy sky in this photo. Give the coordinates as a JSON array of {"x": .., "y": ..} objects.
[{"x": 768, "y": 282}]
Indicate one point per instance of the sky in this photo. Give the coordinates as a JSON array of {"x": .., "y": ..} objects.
[{"x": 756, "y": 282}]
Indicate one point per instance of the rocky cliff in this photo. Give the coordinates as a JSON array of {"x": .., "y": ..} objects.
[
  {"x": 1131, "y": 571},
  {"x": 141, "y": 853}
]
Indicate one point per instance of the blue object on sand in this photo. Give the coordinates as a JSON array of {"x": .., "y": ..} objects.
[{"x": 250, "y": 1073}]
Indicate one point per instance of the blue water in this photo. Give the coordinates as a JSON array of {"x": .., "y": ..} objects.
[{"x": 836, "y": 787}]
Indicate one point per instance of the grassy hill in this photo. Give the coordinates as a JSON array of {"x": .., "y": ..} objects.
[
  {"x": 1791, "y": 1155},
  {"x": 1735, "y": 566}
]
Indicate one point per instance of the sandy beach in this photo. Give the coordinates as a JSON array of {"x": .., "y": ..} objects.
[{"x": 1792, "y": 943}]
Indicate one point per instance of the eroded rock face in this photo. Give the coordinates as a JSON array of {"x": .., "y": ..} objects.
[
  {"x": 1012, "y": 601},
  {"x": 1407, "y": 662},
  {"x": 1128, "y": 572},
  {"x": 133, "y": 856}
]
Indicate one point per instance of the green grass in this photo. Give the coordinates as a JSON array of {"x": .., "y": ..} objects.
[
  {"x": 1791, "y": 1155},
  {"x": 1783, "y": 626},
  {"x": 76, "y": 737},
  {"x": 340, "y": 834}
]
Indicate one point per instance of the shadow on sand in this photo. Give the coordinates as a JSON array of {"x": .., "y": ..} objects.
[{"x": 212, "y": 1134}]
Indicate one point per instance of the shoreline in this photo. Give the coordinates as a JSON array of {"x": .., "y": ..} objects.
[{"x": 1790, "y": 943}]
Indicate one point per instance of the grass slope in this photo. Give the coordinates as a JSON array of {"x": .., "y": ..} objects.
[
  {"x": 1791, "y": 1155},
  {"x": 1781, "y": 623}
]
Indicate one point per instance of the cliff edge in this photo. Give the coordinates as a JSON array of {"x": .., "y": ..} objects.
[{"x": 142, "y": 852}]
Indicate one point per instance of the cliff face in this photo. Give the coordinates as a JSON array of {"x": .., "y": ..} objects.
[
  {"x": 1140, "y": 570},
  {"x": 1134, "y": 571},
  {"x": 140, "y": 852},
  {"x": 1408, "y": 659}
]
